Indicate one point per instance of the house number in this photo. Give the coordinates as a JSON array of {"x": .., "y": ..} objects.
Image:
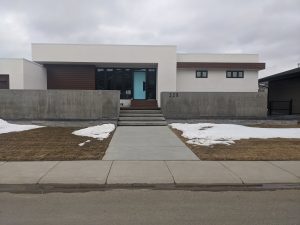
[{"x": 173, "y": 94}]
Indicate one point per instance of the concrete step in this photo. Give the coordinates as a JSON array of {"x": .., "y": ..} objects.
[
  {"x": 141, "y": 115},
  {"x": 142, "y": 123},
  {"x": 140, "y": 111},
  {"x": 150, "y": 118},
  {"x": 139, "y": 108}
]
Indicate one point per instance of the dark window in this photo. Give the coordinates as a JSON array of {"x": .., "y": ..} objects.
[
  {"x": 201, "y": 73},
  {"x": 115, "y": 79},
  {"x": 4, "y": 81},
  {"x": 235, "y": 74},
  {"x": 100, "y": 79},
  {"x": 151, "y": 84}
]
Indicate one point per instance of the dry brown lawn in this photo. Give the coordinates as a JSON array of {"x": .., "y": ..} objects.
[
  {"x": 276, "y": 126},
  {"x": 249, "y": 149},
  {"x": 50, "y": 143}
]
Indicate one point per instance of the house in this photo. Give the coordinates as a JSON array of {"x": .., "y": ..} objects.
[
  {"x": 22, "y": 74},
  {"x": 140, "y": 72},
  {"x": 283, "y": 92}
]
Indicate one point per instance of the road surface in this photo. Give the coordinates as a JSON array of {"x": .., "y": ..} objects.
[{"x": 155, "y": 207}]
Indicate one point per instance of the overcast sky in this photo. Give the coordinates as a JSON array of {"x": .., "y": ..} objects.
[{"x": 270, "y": 28}]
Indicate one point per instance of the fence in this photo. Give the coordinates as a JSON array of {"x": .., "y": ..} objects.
[
  {"x": 193, "y": 105},
  {"x": 280, "y": 107},
  {"x": 59, "y": 104}
]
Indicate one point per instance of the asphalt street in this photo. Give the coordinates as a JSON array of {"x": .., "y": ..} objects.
[{"x": 152, "y": 207}]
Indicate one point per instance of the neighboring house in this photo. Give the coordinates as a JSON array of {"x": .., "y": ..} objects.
[
  {"x": 283, "y": 92},
  {"x": 140, "y": 72},
  {"x": 22, "y": 74}
]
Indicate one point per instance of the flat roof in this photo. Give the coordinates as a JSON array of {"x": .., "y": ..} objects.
[
  {"x": 22, "y": 59},
  {"x": 283, "y": 75},
  {"x": 93, "y": 44}
]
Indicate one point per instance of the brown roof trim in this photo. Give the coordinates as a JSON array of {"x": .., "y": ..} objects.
[{"x": 221, "y": 65}]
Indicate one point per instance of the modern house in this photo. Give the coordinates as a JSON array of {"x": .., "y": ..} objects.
[
  {"x": 140, "y": 72},
  {"x": 283, "y": 92}
]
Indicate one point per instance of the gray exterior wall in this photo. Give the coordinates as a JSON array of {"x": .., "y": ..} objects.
[
  {"x": 59, "y": 104},
  {"x": 193, "y": 105}
]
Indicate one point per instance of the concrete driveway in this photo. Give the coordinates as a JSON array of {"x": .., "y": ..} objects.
[{"x": 147, "y": 143}]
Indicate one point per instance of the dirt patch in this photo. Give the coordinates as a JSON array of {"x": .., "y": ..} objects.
[
  {"x": 248, "y": 149},
  {"x": 50, "y": 143},
  {"x": 275, "y": 126}
]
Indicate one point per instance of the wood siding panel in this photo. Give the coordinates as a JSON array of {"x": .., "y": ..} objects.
[
  {"x": 71, "y": 77},
  {"x": 212, "y": 65}
]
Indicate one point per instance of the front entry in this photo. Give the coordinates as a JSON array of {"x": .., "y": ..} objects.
[
  {"x": 133, "y": 83},
  {"x": 139, "y": 85}
]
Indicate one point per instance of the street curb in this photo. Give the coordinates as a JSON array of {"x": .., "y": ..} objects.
[{"x": 73, "y": 188}]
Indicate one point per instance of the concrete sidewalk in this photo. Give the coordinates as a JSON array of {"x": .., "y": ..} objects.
[
  {"x": 147, "y": 143},
  {"x": 105, "y": 173}
]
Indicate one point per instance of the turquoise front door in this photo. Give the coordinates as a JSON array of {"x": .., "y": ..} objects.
[{"x": 139, "y": 85}]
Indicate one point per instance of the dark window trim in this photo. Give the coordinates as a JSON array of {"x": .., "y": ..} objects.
[
  {"x": 236, "y": 71},
  {"x": 202, "y": 72}
]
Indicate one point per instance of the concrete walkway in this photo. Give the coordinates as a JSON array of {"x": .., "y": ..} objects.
[
  {"x": 103, "y": 173},
  {"x": 147, "y": 143}
]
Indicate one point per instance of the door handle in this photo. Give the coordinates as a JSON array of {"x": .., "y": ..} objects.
[{"x": 144, "y": 85}]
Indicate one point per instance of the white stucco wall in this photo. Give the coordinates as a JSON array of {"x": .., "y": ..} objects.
[
  {"x": 35, "y": 75},
  {"x": 14, "y": 68},
  {"x": 163, "y": 56},
  {"x": 232, "y": 58},
  {"x": 216, "y": 81}
]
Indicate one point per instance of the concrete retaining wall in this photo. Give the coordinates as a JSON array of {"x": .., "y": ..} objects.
[
  {"x": 193, "y": 105},
  {"x": 59, "y": 104}
]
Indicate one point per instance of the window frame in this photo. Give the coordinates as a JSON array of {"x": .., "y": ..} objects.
[
  {"x": 201, "y": 73},
  {"x": 231, "y": 72}
]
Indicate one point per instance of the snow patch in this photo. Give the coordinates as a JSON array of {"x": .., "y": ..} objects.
[
  {"x": 83, "y": 143},
  {"x": 99, "y": 132},
  {"x": 208, "y": 134},
  {"x": 6, "y": 127}
]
